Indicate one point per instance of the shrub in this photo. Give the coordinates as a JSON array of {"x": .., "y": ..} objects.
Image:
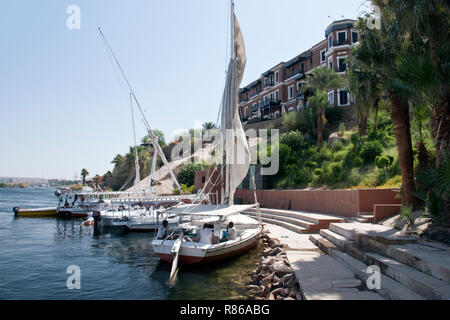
[
  {"x": 186, "y": 174},
  {"x": 357, "y": 162},
  {"x": 318, "y": 172},
  {"x": 383, "y": 162},
  {"x": 293, "y": 139},
  {"x": 291, "y": 121},
  {"x": 336, "y": 169},
  {"x": 370, "y": 150},
  {"x": 311, "y": 164}
]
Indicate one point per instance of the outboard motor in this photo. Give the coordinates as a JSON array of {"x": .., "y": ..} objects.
[
  {"x": 16, "y": 211},
  {"x": 97, "y": 217}
]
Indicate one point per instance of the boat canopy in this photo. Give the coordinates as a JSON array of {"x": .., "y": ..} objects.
[{"x": 209, "y": 209}]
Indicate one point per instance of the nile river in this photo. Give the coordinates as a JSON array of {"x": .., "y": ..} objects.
[{"x": 35, "y": 254}]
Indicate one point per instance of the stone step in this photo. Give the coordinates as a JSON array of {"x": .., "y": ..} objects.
[
  {"x": 389, "y": 288},
  {"x": 323, "y": 278},
  {"x": 335, "y": 238},
  {"x": 301, "y": 223},
  {"x": 389, "y": 235},
  {"x": 314, "y": 218},
  {"x": 424, "y": 256},
  {"x": 325, "y": 245},
  {"x": 286, "y": 225},
  {"x": 423, "y": 284},
  {"x": 365, "y": 218},
  {"x": 336, "y": 228}
]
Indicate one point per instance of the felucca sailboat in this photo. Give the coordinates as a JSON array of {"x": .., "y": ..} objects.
[{"x": 181, "y": 246}]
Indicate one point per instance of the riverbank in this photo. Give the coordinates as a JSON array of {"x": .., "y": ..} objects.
[
  {"x": 14, "y": 185},
  {"x": 273, "y": 278}
]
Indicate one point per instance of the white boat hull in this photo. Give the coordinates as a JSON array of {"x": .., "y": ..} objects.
[{"x": 194, "y": 252}]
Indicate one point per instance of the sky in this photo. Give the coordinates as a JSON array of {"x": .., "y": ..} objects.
[{"x": 63, "y": 103}]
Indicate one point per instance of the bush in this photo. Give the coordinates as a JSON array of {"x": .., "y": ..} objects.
[
  {"x": 383, "y": 162},
  {"x": 310, "y": 164},
  {"x": 186, "y": 174},
  {"x": 357, "y": 162},
  {"x": 291, "y": 121},
  {"x": 370, "y": 150},
  {"x": 293, "y": 139},
  {"x": 318, "y": 172}
]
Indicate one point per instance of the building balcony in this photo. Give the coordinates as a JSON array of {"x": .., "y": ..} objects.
[
  {"x": 268, "y": 84},
  {"x": 341, "y": 43},
  {"x": 299, "y": 73},
  {"x": 245, "y": 99},
  {"x": 270, "y": 103},
  {"x": 254, "y": 94}
]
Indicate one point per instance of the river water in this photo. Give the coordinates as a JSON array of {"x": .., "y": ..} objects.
[{"x": 36, "y": 252}]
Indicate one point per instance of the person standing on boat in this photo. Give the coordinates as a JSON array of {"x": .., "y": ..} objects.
[
  {"x": 162, "y": 230},
  {"x": 231, "y": 231}
]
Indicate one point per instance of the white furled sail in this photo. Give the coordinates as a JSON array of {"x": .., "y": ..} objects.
[{"x": 235, "y": 142}]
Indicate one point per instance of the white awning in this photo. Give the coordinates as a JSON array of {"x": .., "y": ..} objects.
[{"x": 209, "y": 209}]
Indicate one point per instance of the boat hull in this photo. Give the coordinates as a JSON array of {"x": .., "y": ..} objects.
[
  {"x": 74, "y": 212},
  {"x": 40, "y": 212},
  {"x": 192, "y": 255}
]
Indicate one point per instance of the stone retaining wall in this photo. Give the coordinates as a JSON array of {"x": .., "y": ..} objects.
[{"x": 346, "y": 203}]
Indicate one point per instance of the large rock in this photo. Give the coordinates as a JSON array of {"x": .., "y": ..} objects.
[
  {"x": 334, "y": 138},
  {"x": 287, "y": 277},
  {"x": 280, "y": 268}
]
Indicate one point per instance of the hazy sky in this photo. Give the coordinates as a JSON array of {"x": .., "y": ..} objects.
[{"x": 63, "y": 105}]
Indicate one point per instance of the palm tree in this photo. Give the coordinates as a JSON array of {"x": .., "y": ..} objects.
[
  {"x": 319, "y": 102},
  {"x": 382, "y": 50},
  {"x": 84, "y": 174},
  {"x": 209, "y": 125},
  {"x": 422, "y": 115},
  {"x": 322, "y": 81},
  {"x": 364, "y": 86},
  {"x": 429, "y": 20}
]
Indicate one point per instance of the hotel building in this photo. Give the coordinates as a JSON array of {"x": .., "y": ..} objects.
[{"x": 278, "y": 90}]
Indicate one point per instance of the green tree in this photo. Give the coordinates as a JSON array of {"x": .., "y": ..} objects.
[
  {"x": 84, "y": 174},
  {"x": 364, "y": 86},
  {"x": 429, "y": 22},
  {"x": 322, "y": 81},
  {"x": 382, "y": 49}
]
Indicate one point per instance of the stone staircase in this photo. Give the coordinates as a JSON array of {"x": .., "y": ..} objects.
[
  {"x": 297, "y": 221},
  {"x": 412, "y": 269}
]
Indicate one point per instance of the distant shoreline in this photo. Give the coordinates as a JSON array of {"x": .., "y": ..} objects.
[{"x": 14, "y": 185}]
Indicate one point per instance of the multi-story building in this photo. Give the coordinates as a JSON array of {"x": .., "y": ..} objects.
[{"x": 278, "y": 90}]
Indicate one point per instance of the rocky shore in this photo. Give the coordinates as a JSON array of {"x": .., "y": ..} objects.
[{"x": 273, "y": 278}]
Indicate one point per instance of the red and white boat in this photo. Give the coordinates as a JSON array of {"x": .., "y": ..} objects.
[
  {"x": 248, "y": 231},
  {"x": 181, "y": 248}
]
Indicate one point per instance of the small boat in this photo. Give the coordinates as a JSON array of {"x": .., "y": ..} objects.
[
  {"x": 38, "y": 212},
  {"x": 190, "y": 252},
  {"x": 151, "y": 221},
  {"x": 183, "y": 248}
]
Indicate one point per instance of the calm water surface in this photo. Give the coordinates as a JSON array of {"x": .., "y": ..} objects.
[{"x": 35, "y": 254}]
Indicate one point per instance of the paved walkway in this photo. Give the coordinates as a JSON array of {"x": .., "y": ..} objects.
[{"x": 321, "y": 277}]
